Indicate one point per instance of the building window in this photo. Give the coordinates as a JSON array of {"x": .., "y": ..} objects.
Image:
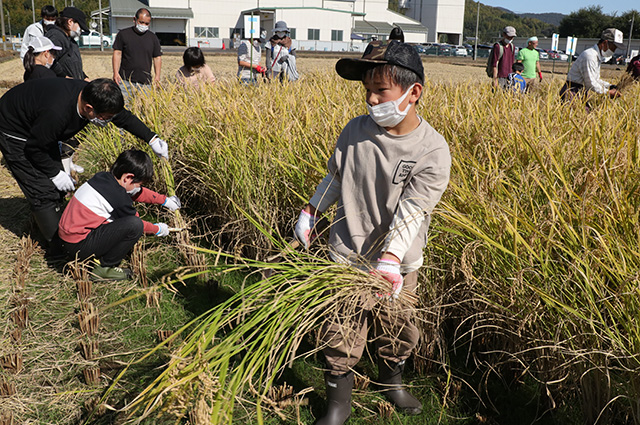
[
  {"x": 293, "y": 33},
  {"x": 336, "y": 35},
  {"x": 313, "y": 34},
  {"x": 206, "y": 32}
]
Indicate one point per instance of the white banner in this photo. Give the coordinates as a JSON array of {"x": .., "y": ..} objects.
[
  {"x": 555, "y": 39},
  {"x": 251, "y": 26}
]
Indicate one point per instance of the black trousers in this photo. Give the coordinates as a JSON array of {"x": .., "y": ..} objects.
[
  {"x": 109, "y": 243},
  {"x": 36, "y": 186}
]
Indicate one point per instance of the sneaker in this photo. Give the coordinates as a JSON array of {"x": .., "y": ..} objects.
[{"x": 110, "y": 273}]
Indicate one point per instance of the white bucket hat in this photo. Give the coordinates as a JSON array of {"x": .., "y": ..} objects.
[{"x": 42, "y": 44}]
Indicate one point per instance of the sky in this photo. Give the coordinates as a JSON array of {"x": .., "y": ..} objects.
[{"x": 566, "y": 6}]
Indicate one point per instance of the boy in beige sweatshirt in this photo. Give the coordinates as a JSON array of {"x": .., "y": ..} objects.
[{"x": 387, "y": 173}]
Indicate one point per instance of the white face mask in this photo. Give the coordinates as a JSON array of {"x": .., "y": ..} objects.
[
  {"x": 45, "y": 22},
  {"x": 142, "y": 28},
  {"x": 508, "y": 41},
  {"x": 387, "y": 114},
  {"x": 607, "y": 53},
  {"x": 99, "y": 122},
  {"x": 74, "y": 34},
  {"x": 134, "y": 191}
]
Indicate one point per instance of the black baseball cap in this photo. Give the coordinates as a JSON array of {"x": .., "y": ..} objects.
[
  {"x": 377, "y": 53},
  {"x": 77, "y": 15}
]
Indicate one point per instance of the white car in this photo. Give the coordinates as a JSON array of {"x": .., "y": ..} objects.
[
  {"x": 460, "y": 51},
  {"x": 92, "y": 38}
]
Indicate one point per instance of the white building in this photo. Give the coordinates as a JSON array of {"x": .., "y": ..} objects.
[
  {"x": 332, "y": 25},
  {"x": 444, "y": 18}
]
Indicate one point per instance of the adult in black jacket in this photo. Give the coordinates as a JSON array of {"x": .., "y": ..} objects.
[
  {"x": 30, "y": 130},
  {"x": 68, "y": 61}
]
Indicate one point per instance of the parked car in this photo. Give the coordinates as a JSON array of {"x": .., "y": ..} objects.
[
  {"x": 559, "y": 55},
  {"x": 460, "y": 51},
  {"x": 92, "y": 39},
  {"x": 543, "y": 55}
]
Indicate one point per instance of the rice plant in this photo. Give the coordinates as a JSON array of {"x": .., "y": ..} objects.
[{"x": 533, "y": 255}]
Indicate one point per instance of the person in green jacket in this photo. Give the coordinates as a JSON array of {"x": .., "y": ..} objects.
[{"x": 530, "y": 58}]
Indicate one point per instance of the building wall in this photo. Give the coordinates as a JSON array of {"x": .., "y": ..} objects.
[{"x": 440, "y": 16}]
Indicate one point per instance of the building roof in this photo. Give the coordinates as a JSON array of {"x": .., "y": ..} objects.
[
  {"x": 128, "y": 8},
  {"x": 273, "y": 9},
  {"x": 372, "y": 27},
  {"x": 412, "y": 27}
]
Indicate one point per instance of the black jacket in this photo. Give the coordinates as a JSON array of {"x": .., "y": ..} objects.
[{"x": 68, "y": 61}]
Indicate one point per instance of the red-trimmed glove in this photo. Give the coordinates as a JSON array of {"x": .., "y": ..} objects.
[
  {"x": 163, "y": 229},
  {"x": 304, "y": 225},
  {"x": 540, "y": 75},
  {"x": 261, "y": 69},
  {"x": 390, "y": 271}
]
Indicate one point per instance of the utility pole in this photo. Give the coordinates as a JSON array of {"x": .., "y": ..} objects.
[
  {"x": 33, "y": 11},
  {"x": 633, "y": 17},
  {"x": 4, "y": 44},
  {"x": 475, "y": 50},
  {"x": 100, "y": 15}
]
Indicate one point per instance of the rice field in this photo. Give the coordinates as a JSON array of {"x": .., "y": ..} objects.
[{"x": 532, "y": 269}]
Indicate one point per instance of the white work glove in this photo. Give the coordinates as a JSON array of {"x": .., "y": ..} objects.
[
  {"x": 69, "y": 166},
  {"x": 164, "y": 229},
  {"x": 63, "y": 182},
  {"x": 159, "y": 147},
  {"x": 172, "y": 203},
  {"x": 303, "y": 228},
  {"x": 389, "y": 270}
]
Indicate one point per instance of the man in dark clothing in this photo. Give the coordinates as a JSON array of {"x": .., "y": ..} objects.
[
  {"x": 134, "y": 50},
  {"x": 503, "y": 56},
  {"x": 30, "y": 130}
]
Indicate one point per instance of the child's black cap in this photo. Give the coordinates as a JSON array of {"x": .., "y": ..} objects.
[{"x": 390, "y": 52}]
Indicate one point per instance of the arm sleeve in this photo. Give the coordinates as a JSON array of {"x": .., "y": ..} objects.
[
  {"x": 404, "y": 228},
  {"x": 149, "y": 228},
  {"x": 148, "y": 196},
  {"x": 327, "y": 193},
  {"x": 127, "y": 121},
  {"x": 592, "y": 77},
  {"x": 157, "y": 50},
  {"x": 117, "y": 43},
  {"x": 42, "y": 141},
  {"x": 419, "y": 198}
]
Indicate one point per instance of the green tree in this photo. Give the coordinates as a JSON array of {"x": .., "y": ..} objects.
[
  {"x": 587, "y": 22},
  {"x": 22, "y": 15}
]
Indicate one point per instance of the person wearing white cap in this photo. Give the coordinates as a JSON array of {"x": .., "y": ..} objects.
[
  {"x": 501, "y": 58},
  {"x": 49, "y": 15},
  {"x": 39, "y": 58},
  {"x": 530, "y": 58},
  {"x": 584, "y": 74}
]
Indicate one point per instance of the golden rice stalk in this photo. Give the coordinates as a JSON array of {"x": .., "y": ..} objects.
[
  {"x": 138, "y": 261},
  {"x": 361, "y": 382},
  {"x": 23, "y": 260},
  {"x": 88, "y": 319},
  {"x": 201, "y": 413},
  {"x": 89, "y": 349},
  {"x": 91, "y": 375},
  {"x": 20, "y": 317},
  {"x": 78, "y": 270},
  {"x": 16, "y": 335},
  {"x": 7, "y": 389},
  {"x": 6, "y": 417},
  {"x": 12, "y": 362},
  {"x": 163, "y": 335},
  {"x": 625, "y": 81},
  {"x": 385, "y": 409},
  {"x": 194, "y": 259},
  {"x": 93, "y": 405},
  {"x": 153, "y": 298},
  {"x": 84, "y": 290}
]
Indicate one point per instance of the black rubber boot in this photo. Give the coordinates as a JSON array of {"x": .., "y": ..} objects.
[
  {"x": 390, "y": 380},
  {"x": 47, "y": 221},
  {"x": 338, "y": 399}
]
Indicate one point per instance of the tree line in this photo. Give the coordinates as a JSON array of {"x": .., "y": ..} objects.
[
  {"x": 587, "y": 22},
  {"x": 18, "y": 13}
]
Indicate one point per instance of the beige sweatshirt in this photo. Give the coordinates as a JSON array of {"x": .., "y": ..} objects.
[{"x": 386, "y": 187}]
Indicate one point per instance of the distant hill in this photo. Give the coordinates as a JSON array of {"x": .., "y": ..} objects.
[
  {"x": 493, "y": 19},
  {"x": 549, "y": 18}
]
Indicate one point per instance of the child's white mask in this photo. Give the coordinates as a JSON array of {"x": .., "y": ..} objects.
[
  {"x": 134, "y": 191},
  {"x": 388, "y": 114}
]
